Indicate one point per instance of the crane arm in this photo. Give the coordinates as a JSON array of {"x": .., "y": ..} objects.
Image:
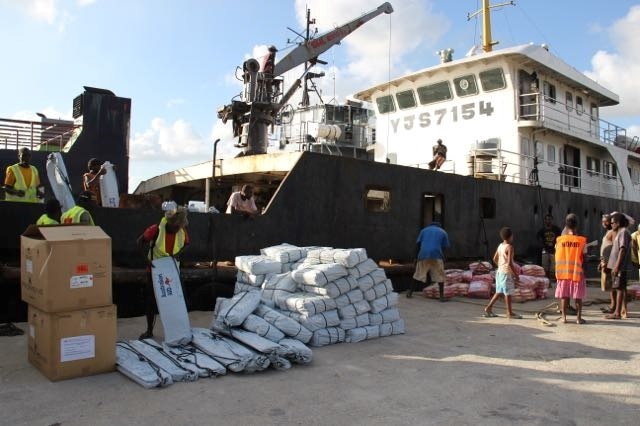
[{"x": 314, "y": 47}]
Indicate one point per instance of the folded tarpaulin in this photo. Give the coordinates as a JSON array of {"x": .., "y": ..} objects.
[
  {"x": 155, "y": 352},
  {"x": 262, "y": 328},
  {"x": 327, "y": 336},
  {"x": 363, "y": 268},
  {"x": 333, "y": 289},
  {"x": 258, "y": 265},
  {"x": 359, "y": 321},
  {"x": 372, "y": 278},
  {"x": 272, "y": 350},
  {"x": 287, "y": 325},
  {"x": 196, "y": 360},
  {"x": 170, "y": 300},
  {"x": 319, "y": 275},
  {"x": 241, "y": 287},
  {"x": 351, "y": 311},
  {"x": 139, "y": 368},
  {"x": 389, "y": 328},
  {"x": 306, "y": 303},
  {"x": 385, "y": 316},
  {"x": 297, "y": 351},
  {"x": 349, "y": 298},
  {"x": 378, "y": 290},
  {"x": 362, "y": 333},
  {"x": 317, "y": 321},
  {"x": 284, "y": 253},
  {"x": 234, "y": 311},
  {"x": 233, "y": 355},
  {"x": 278, "y": 286},
  {"x": 384, "y": 302}
]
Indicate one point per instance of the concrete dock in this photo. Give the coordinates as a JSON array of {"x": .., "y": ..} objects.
[{"x": 452, "y": 367}]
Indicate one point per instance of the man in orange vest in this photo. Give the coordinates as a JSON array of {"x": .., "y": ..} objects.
[
  {"x": 569, "y": 256},
  {"x": 22, "y": 181},
  {"x": 168, "y": 238}
]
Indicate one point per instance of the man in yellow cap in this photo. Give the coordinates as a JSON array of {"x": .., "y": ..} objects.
[
  {"x": 22, "y": 181},
  {"x": 168, "y": 238}
]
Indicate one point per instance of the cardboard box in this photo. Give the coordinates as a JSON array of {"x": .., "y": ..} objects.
[
  {"x": 65, "y": 268},
  {"x": 71, "y": 344}
]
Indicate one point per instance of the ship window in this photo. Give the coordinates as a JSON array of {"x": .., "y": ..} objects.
[
  {"x": 594, "y": 112},
  {"x": 609, "y": 170},
  {"x": 385, "y": 104},
  {"x": 551, "y": 154},
  {"x": 378, "y": 200},
  {"x": 579, "y": 106},
  {"x": 434, "y": 93},
  {"x": 569, "y": 101},
  {"x": 540, "y": 151},
  {"x": 406, "y": 99},
  {"x": 466, "y": 85},
  {"x": 492, "y": 79},
  {"x": 593, "y": 165},
  {"x": 549, "y": 91}
]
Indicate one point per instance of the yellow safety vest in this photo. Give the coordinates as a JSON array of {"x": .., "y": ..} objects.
[
  {"x": 46, "y": 220},
  {"x": 569, "y": 257},
  {"x": 29, "y": 192},
  {"x": 159, "y": 249},
  {"x": 73, "y": 215}
]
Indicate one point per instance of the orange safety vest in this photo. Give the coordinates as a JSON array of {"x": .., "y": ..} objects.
[{"x": 569, "y": 257}]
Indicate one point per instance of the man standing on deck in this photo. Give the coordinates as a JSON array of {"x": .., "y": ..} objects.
[
  {"x": 22, "y": 181},
  {"x": 439, "y": 155},
  {"x": 431, "y": 243}
]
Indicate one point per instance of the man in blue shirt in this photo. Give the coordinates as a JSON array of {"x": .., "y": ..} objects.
[{"x": 432, "y": 240}]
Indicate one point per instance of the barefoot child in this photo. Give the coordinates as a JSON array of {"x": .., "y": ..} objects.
[
  {"x": 570, "y": 278},
  {"x": 506, "y": 275}
]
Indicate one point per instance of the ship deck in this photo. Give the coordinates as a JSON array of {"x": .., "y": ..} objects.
[{"x": 451, "y": 367}]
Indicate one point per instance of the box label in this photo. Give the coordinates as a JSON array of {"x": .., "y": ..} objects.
[
  {"x": 81, "y": 281},
  {"x": 82, "y": 268},
  {"x": 78, "y": 347},
  {"x": 28, "y": 264}
]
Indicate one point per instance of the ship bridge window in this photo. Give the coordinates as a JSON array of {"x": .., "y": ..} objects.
[
  {"x": 551, "y": 154},
  {"x": 579, "y": 105},
  {"x": 433, "y": 93},
  {"x": 609, "y": 170},
  {"x": 492, "y": 79},
  {"x": 378, "y": 200},
  {"x": 593, "y": 165},
  {"x": 466, "y": 85},
  {"x": 385, "y": 104},
  {"x": 569, "y": 101},
  {"x": 406, "y": 99},
  {"x": 549, "y": 91},
  {"x": 594, "y": 112}
]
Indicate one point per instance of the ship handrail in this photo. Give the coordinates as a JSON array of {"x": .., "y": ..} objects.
[{"x": 44, "y": 135}]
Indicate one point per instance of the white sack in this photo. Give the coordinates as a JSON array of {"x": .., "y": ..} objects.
[
  {"x": 262, "y": 328},
  {"x": 372, "y": 278},
  {"x": 297, "y": 351},
  {"x": 284, "y": 253},
  {"x": 389, "y": 328},
  {"x": 378, "y": 290},
  {"x": 386, "y": 316},
  {"x": 359, "y": 321},
  {"x": 349, "y": 298},
  {"x": 278, "y": 286},
  {"x": 363, "y": 268},
  {"x": 306, "y": 303},
  {"x": 384, "y": 302},
  {"x": 258, "y": 265},
  {"x": 170, "y": 300},
  {"x": 351, "y": 311},
  {"x": 362, "y": 333},
  {"x": 235, "y": 310},
  {"x": 317, "y": 321},
  {"x": 319, "y": 275},
  {"x": 327, "y": 336},
  {"x": 288, "y": 326},
  {"x": 155, "y": 352},
  {"x": 254, "y": 280},
  {"x": 346, "y": 257},
  {"x": 334, "y": 288}
]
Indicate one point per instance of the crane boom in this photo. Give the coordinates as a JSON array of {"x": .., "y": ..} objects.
[{"x": 314, "y": 47}]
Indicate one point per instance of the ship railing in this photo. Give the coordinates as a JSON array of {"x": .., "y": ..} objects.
[
  {"x": 575, "y": 120},
  {"x": 530, "y": 170},
  {"x": 35, "y": 135}
]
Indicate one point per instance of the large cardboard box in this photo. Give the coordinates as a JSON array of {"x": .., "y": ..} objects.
[
  {"x": 65, "y": 268},
  {"x": 71, "y": 344}
]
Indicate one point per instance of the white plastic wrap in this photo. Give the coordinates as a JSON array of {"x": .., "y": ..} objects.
[
  {"x": 372, "y": 278},
  {"x": 363, "y": 268},
  {"x": 277, "y": 287},
  {"x": 334, "y": 288},
  {"x": 262, "y": 328},
  {"x": 378, "y": 290},
  {"x": 389, "y": 328},
  {"x": 258, "y": 265},
  {"x": 254, "y": 280},
  {"x": 140, "y": 369},
  {"x": 306, "y": 303},
  {"x": 155, "y": 352},
  {"x": 362, "y": 333},
  {"x": 195, "y": 360},
  {"x": 287, "y": 325},
  {"x": 349, "y": 298},
  {"x": 234, "y": 311},
  {"x": 351, "y": 311},
  {"x": 359, "y": 321},
  {"x": 386, "y": 316},
  {"x": 297, "y": 351},
  {"x": 317, "y": 321},
  {"x": 384, "y": 302},
  {"x": 284, "y": 253},
  {"x": 346, "y": 257},
  {"x": 319, "y": 275},
  {"x": 327, "y": 336}
]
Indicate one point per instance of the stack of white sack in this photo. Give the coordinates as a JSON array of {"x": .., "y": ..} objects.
[
  {"x": 347, "y": 286},
  {"x": 288, "y": 255}
]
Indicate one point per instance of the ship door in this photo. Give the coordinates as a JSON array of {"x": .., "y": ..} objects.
[
  {"x": 571, "y": 168},
  {"x": 432, "y": 209}
]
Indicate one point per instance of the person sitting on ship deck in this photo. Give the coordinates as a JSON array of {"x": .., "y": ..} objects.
[
  {"x": 242, "y": 202},
  {"x": 168, "y": 238},
  {"x": 81, "y": 212},
  {"x": 439, "y": 155},
  {"x": 22, "y": 181},
  {"x": 52, "y": 213},
  {"x": 91, "y": 179}
]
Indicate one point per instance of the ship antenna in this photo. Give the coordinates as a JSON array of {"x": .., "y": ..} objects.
[{"x": 487, "y": 42}]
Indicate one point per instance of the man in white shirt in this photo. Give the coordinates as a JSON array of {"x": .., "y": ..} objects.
[{"x": 242, "y": 202}]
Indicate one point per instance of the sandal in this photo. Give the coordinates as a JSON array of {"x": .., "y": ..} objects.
[
  {"x": 489, "y": 315},
  {"x": 612, "y": 316},
  {"x": 514, "y": 316},
  {"x": 580, "y": 321}
]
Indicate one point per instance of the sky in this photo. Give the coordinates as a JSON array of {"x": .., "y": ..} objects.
[{"x": 176, "y": 59}]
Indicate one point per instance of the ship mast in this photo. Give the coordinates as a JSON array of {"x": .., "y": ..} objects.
[{"x": 487, "y": 43}]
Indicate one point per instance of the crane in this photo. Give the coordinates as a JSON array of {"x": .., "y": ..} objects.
[{"x": 261, "y": 98}]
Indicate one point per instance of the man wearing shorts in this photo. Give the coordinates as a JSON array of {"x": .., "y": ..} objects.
[{"x": 431, "y": 243}]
